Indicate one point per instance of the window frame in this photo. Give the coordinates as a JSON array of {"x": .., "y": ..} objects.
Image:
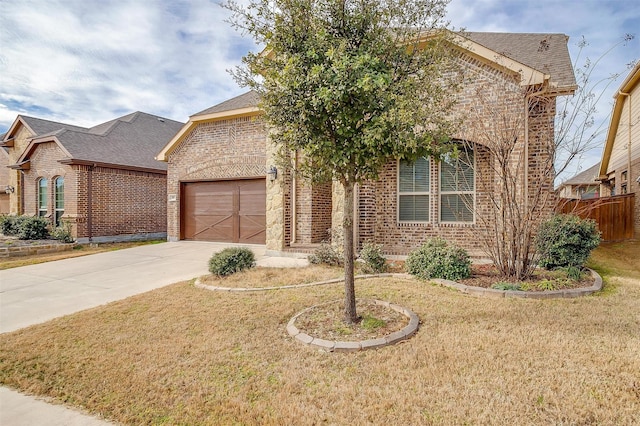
[
  {"x": 58, "y": 212},
  {"x": 400, "y": 193},
  {"x": 42, "y": 209},
  {"x": 472, "y": 193}
]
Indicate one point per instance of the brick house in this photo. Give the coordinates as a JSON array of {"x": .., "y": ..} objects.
[
  {"x": 103, "y": 180},
  {"x": 222, "y": 185},
  {"x": 619, "y": 171}
]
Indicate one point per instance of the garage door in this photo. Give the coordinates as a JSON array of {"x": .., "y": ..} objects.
[{"x": 225, "y": 211}]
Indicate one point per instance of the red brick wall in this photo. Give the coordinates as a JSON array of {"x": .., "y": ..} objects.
[
  {"x": 215, "y": 150},
  {"x": 123, "y": 202}
]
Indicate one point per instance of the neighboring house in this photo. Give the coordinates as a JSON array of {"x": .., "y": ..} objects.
[
  {"x": 103, "y": 181},
  {"x": 222, "y": 185},
  {"x": 584, "y": 185},
  {"x": 620, "y": 166}
]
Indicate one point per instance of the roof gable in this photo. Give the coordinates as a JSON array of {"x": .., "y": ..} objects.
[
  {"x": 130, "y": 141},
  {"x": 587, "y": 177}
]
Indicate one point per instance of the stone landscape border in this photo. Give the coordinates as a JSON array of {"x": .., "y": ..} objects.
[
  {"x": 10, "y": 251},
  {"x": 550, "y": 294},
  {"x": 354, "y": 346},
  {"x": 472, "y": 290}
]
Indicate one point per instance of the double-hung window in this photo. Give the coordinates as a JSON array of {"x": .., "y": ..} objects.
[
  {"x": 457, "y": 187},
  {"x": 43, "y": 197},
  {"x": 413, "y": 190}
]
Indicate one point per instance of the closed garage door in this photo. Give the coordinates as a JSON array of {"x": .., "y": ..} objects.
[{"x": 226, "y": 211}]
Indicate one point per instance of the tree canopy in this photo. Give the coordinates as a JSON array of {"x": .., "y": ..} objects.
[{"x": 351, "y": 84}]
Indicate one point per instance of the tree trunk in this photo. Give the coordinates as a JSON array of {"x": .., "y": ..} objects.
[{"x": 347, "y": 228}]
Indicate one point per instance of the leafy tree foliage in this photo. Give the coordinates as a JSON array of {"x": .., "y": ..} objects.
[{"x": 351, "y": 84}]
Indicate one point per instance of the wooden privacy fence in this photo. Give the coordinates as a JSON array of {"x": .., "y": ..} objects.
[{"x": 614, "y": 215}]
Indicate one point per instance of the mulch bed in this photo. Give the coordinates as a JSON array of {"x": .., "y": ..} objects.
[
  {"x": 486, "y": 275},
  {"x": 327, "y": 321}
]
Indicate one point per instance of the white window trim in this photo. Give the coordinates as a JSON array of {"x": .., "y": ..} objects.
[
  {"x": 398, "y": 194},
  {"x": 472, "y": 193},
  {"x": 46, "y": 199},
  {"x": 55, "y": 200}
]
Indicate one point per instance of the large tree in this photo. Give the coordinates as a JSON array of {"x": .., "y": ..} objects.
[{"x": 350, "y": 84}]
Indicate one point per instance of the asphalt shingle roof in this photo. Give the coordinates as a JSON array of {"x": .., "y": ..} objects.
[
  {"x": 586, "y": 177},
  {"x": 246, "y": 100},
  {"x": 132, "y": 140},
  {"x": 547, "y": 53}
]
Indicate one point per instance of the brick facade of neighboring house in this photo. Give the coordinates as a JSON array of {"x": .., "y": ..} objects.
[
  {"x": 299, "y": 214},
  {"x": 620, "y": 166},
  {"x": 102, "y": 181}
]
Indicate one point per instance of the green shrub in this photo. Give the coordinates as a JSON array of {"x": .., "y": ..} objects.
[
  {"x": 33, "y": 228},
  {"x": 438, "y": 259},
  {"x": 566, "y": 240},
  {"x": 374, "y": 261},
  {"x": 62, "y": 233},
  {"x": 9, "y": 225},
  {"x": 231, "y": 260},
  {"x": 325, "y": 255}
]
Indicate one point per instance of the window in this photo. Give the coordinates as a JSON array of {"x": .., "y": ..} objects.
[
  {"x": 58, "y": 187},
  {"x": 457, "y": 187},
  {"x": 43, "y": 197},
  {"x": 413, "y": 190}
]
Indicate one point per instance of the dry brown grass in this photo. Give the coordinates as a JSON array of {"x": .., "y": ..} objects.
[
  {"x": 274, "y": 277},
  {"x": 79, "y": 250},
  {"x": 182, "y": 355}
]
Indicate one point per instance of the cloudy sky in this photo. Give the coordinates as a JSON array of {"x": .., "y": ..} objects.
[{"x": 84, "y": 62}]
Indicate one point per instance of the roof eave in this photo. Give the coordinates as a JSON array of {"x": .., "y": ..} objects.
[
  {"x": 77, "y": 162},
  {"x": 627, "y": 86}
]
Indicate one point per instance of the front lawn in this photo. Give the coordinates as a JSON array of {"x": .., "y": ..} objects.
[{"x": 184, "y": 355}]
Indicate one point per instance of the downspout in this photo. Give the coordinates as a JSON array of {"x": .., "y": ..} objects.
[
  {"x": 294, "y": 185},
  {"x": 89, "y": 203},
  {"x": 20, "y": 208}
]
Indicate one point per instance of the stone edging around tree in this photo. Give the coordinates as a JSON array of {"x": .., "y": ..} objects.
[
  {"x": 354, "y": 346},
  {"x": 473, "y": 290}
]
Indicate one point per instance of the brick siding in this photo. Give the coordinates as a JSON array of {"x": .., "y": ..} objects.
[
  {"x": 224, "y": 149},
  {"x": 123, "y": 202}
]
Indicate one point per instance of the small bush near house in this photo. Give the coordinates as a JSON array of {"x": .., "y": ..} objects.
[
  {"x": 33, "y": 228},
  {"x": 9, "y": 225},
  {"x": 231, "y": 260},
  {"x": 62, "y": 233},
  {"x": 438, "y": 259},
  {"x": 374, "y": 261},
  {"x": 325, "y": 255},
  {"x": 566, "y": 241}
]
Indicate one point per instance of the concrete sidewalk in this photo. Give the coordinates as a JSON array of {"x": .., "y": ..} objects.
[{"x": 38, "y": 293}]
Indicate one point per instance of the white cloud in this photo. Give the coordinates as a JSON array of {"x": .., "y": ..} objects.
[{"x": 88, "y": 61}]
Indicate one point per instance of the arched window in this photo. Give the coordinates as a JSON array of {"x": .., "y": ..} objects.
[
  {"x": 58, "y": 197},
  {"x": 43, "y": 197}
]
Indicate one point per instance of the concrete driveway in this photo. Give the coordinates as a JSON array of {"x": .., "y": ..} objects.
[{"x": 38, "y": 293}]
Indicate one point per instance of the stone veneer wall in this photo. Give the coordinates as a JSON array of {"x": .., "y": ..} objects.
[{"x": 222, "y": 149}]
